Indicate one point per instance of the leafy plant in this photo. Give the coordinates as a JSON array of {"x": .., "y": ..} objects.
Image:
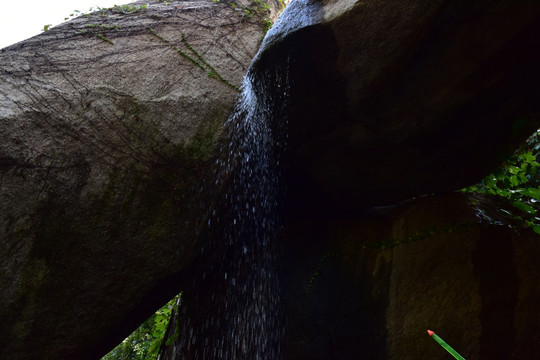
[
  {"x": 518, "y": 181},
  {"x": 126, "y": 9},
  {"x": 104, "y": 38},
  {"x": 196, "y": 59},
  {"x": 102, "y": 26},
  {"x": 96, "y": 29},
  {"x": 144, "y": 343},
  {"x": 257, "y": 11},
  {"x": 75, "y": 13}
]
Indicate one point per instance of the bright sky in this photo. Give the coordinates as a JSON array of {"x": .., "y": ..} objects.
[{"x": 21, "y": 19}]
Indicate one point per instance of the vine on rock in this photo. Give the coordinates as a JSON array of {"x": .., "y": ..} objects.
[{"x": 196, "y": 59}]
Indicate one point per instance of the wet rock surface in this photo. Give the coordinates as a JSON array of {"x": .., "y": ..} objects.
[
  {"x": 369, "y": 287},
  {"x": 384, "y": 102},
  {"x": 393, "y": 99},
  {"x": 109, "y": 123},
  {"x": 107, "y": 160}
]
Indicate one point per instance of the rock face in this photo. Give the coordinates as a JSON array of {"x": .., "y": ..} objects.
[
  {"x": 392, "y": 99},
  {"x": 108, "y": 140},
  {"x": 386, "y": 100},
  {"x": 369, "y": 287},
  {"x": 108, "y": 124}
]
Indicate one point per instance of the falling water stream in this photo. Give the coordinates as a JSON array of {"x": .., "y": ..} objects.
[{"x": 234, "y": 307}]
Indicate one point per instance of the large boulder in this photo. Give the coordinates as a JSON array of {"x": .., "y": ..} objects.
[
  {"x": 368, "y": 287},
  {"x": 383, "y": 101},
  {"x": 109, "y": 132},
  {"x": 393, "y": 99},
  {"x": 108, "y": 124}
]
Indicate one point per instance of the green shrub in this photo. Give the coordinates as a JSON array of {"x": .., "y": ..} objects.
[
  {"x": 518, "y": 181},
  {"x": 144, "y": 343}
]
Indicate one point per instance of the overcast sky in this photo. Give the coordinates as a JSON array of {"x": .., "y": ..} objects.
[{"x": 21, "y": 19}]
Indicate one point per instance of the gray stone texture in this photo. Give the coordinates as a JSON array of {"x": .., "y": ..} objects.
[{"x": 106, "y": 131}]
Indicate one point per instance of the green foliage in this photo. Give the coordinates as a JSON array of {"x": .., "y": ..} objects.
[
  {"x": 144, "y": 343},
  {"x": 98, "y": 29},
  {"x": 122, "y": 9},
  {"x": 266, "y": 24},
  {"x": 119, "y": 9},
  {"x": 102, "y": 26},
  {"x": 158, "y": 35},
  {"x": 126, "y": 9},
  {"x": 212, "y": 72},
  {"x": 518, "y": 181},
  {"x": 257, "y": 11},
  {"x": 46, "y": 27},
  {"x": 75, "y": 13},
  {"x": 104, "y": 38},
  {"x": 196, "y": 59}
]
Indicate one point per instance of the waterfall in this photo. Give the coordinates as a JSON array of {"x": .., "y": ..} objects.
[{"x": 233, "y": 309}]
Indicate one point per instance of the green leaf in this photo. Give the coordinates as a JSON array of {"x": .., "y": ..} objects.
[
  {"x": 532, "y": 192},
  {"x": 524, "y": 207},
  {"x": 528, "y": 157},
  {"x": 523, "y": 178},
  {"x": 514, "y": 181},
  {"x": 490, "y": 180}
]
